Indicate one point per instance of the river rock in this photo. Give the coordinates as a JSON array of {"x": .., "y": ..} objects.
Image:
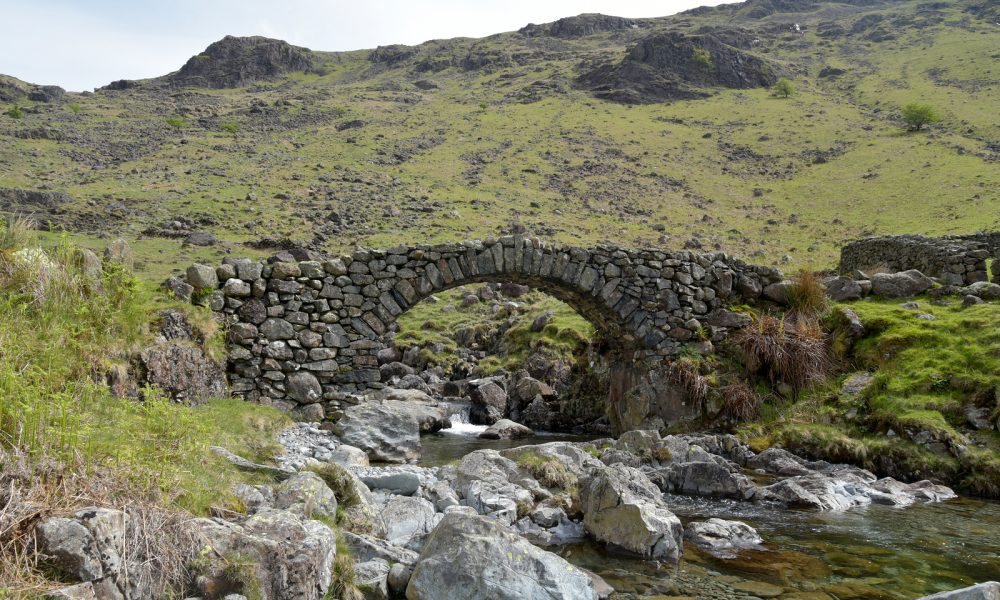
[
  {"x": 408, "y": 517},
  {"x": 385, "y": 433},
  {"x": 900, "y": 285},
  {"x": 373, "y": 577},
  {"x": 348, "y": 456},
  {"x": 489, "y": 404},
  {"x": 722, "y": 538},
  {"x": 818, "y": 491},
  {"x": 430, "y": 417},
  {"x": 989, "y": 590},
  {"x": 707, "y": 479},
  {"x": 622, "y": 507},
  {"x": 505, "y": 429},
  {"x": 470, "y": 557}
]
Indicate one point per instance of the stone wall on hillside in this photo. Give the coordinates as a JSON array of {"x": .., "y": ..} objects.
[
  {"x": 307, "y": 332},
  {"x": 953, "y": 260}
]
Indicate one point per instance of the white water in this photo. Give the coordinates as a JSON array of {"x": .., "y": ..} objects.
[{"x": 460, "y": 422}]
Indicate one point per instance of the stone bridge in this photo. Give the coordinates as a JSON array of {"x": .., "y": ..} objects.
[{"x": 310, "y": 331}]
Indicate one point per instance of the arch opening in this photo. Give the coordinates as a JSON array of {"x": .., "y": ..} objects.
[{"x": 549, "y": 349}]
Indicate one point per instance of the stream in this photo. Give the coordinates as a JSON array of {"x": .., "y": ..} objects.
[{"x": 866, "y": 553}]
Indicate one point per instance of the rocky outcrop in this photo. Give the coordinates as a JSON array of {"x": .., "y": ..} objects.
[
  {"x": 670, "y": 66},
  {"x": 183, "y": 372},
  {"x": 470, "y": 556},
  {"x": 582, "y": 26},
  {"x": 237, "y": 61},
  {"x": 16, "y": 200}
]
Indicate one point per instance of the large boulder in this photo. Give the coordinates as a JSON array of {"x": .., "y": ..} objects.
[
  {"x": 292, "y": 557},
  {"x": 469, "y": 557},
  {"x": 384, "y": 432},
  {"x": 900, "y": 285},
  {"x": 489, "y": 404},
  {"x": 622, "y": 507},
  {"x": 408, "y": 517}
]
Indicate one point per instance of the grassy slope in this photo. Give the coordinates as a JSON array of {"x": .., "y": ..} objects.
[
  {"x": 493, "y": 162},
  {"x": 926, "y": 373},
  {"x": 56, "y": 404},
  {"x": 564, "y": 337}
]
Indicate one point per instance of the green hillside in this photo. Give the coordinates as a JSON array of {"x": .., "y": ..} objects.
[{"x": 588, "y": 129}]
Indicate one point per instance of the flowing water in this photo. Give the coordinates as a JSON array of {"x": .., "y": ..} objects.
[{"x": 866, "y": 553}]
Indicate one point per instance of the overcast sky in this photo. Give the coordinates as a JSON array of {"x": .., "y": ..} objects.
[{"x": 83, "y": 44}]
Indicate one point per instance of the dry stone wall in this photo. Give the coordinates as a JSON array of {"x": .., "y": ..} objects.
[
  {"x": 308, "y": 332},
  {"x": 953, "y": 260}
]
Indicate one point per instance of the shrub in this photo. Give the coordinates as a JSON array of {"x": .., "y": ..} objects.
[
  {"x": 176, "y": 122},
  {"x": 232, "y": 128},
  {"x": 702, "y": 57},
  {"x": 74, "y": 107},
  {"x": 797, "y": 356},
  {"x": 15, "y": 112},
  {"x": 916, "y": 115},
  {"x": 740, "y": 402},
  {"x": 783, "y": 88},
  {"x": 807, "y": 295}
]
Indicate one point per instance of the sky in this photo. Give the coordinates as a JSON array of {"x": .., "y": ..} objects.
[{"x": 83, "y": 44}]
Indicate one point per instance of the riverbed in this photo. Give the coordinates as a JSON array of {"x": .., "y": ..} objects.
[{"x": 866, "y": 553}]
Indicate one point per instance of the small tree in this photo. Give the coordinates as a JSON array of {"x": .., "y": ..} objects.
[
  {"x": 783, "y": 87},
  {"x": 916, "y": 115}
]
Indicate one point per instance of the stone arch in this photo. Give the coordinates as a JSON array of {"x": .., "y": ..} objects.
[{"x": 307, "y": 332}]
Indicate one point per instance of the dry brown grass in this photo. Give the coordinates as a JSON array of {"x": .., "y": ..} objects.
[
  {"x": 155, "y": 549},
  {"x": 807, "y": 295},
  {"x": 685, "y": 374},
  {"x": 740, "y": 402},
  {"x": 794, "y": 353}
]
